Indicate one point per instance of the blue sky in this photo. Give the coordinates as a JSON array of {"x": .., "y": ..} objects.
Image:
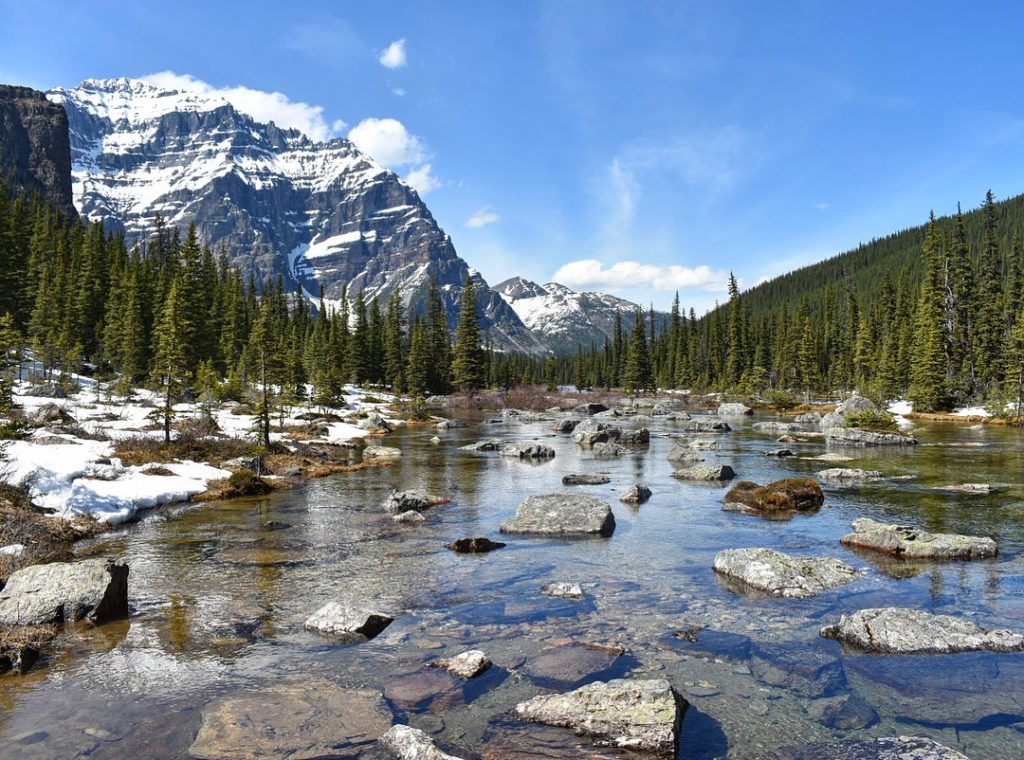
[{"x": 629, "y": 147}]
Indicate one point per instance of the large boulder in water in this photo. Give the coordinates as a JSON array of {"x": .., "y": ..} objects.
[
  {"x": 403, "y": 501},
  {"x": 857, "y": 405},
  {"x": 897, "y": 630},
  {"x": 787, "y": 495},
  {"x": 625, "y": 713},
  {"x": 561, "y": 514},
  {"x": 707, "y": 425},
  {"x": 707, "y": 472},
  {"x": 861, "y": 437},
  {"x": 734, "y": 410},
  {"x": 348, "y": 620},
  {"x": 911, "y": 543},
  {"x": 682, "y": 452},
  {"x": 93, "y": 590},
  {"x": 885, "y": 748},
  {"x": 589, "y": 432},
  {"x": 528, "y": 451},
  {"x": 408, "y": 743},
  {"x": 778, "y": 574}
]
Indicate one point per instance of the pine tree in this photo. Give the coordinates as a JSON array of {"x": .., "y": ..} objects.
[
  {"x": 735, "y": 358},
  {"x": 637, "y": 376},
  {"x": 988, "y": 336},
  {"x": 171, "y": 369},
  {"x": 468, "y": 363},
  {"x": 394, "y": 359},
  {"x": 418, "y": 370},
  {"x": 928, "y": 361}
]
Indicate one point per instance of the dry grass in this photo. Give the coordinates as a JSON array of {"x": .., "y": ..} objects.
[
  {"x": 787, "y": 495},
  {"x": 139, "y": 450},
  {"x": 22, "y": 645}
]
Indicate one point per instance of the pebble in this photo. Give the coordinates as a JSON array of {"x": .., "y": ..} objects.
[{"x": 102, "y": 734}]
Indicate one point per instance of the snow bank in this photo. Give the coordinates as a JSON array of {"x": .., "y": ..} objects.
[
  {"x": 972, "y": 411},
  {"x": 900, "y": 407}
]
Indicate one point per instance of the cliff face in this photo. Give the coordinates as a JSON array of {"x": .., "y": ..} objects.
[{"x": 35, "y": 149}]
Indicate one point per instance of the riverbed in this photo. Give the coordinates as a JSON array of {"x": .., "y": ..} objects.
[{"x": 218, "y": 601}]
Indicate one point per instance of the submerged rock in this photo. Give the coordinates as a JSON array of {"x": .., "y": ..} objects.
[
  {"x": 777, "y": 427},
  {"x": 381, "y": 452},
  {"x": 466, "y": 665},
  {"x": 886, "y": 748},
  {"x": 626, "y": 713},
  {"x": 529, "y": 451},
  {"x": 897, "y": 630},
  {"x": 570, "y": 665},
  {"x": 561, "y": 514},
  {"x": 798, "y": 668},
  {"x": 682, "y": 452},
  {"x": 408, "y": 743},
  {"x": 307, "y": 719},
  {"x": 858, "y": 437},
  {"x": 705, "y": 472},
  {"x": 94, "y": 590},
  {"x": 404, "y": 501},
  {"x": 734, "y": 410},
  {"x": 969, "y": 488},
  {"x": 787, "y": 495},
  {"x": 478, "y": 545},
  {"x": 708, "y": 425},
  {"x": 911, "y": 543},
  {"x": 638, "y": 494},
  {"x": 562, "y": 590},
  {"x": 781, "y": 574},
  {"x": 849, "y": 475},
  {"x": 409, "y": 516},
  {"x": 343, "y": 619},
  {"x": 780, "y": 453},
  {"x": 585, "y": 480},
  {"x": 449, "y": 424}
]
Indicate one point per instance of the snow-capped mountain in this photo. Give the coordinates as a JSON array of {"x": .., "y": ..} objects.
[
  {"x": 319, "y": 214},
  {"x": 563, "y": 318}
]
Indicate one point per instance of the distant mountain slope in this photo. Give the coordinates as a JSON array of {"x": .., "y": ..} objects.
[
  {"x": 318, "y": 214},
  {"x": 563, "y": 318},
  {"x": 34, "y": 148}
]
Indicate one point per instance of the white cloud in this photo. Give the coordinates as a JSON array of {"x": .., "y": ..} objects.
[
  {"x": 484, "y": 215},
  {"x": 388, "y": 141},
  {"x": 398, "y": 91},
  {"x": 821, "y": 206},
  {"x": 393, "y": 56},
  {"x": 262, "y": 106},
  {"x": 624, "y": 275},
  {"x": 421, "y": 180}
]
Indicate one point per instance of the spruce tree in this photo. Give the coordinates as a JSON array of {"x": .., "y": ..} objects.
[
  {"x": 469, "y": 367},
  {"x": 735, "y": 358},
  {"x": 636, "y": 376},
  {"x": 928, "y": 361},
  {"x": 171, "y": 369}
]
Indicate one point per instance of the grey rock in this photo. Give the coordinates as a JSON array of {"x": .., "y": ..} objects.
[
  {"x": 562, "y": 590},
  {"x": 638, "y": 494},
  {"x": 591, "y": 431},
  {"x": 566, "y": 426},
  {"x": 798, "y": 668},
  {"x": 608, "y": 450},
  {"x": 625, "y": 713},
  {"x": 896, "y": 630},
  {"x": 972, "y": 488},
  {"x": 403, "y": 501},
  {"x": 708, "y": 425},
  {"x": 849, "y": 475},
  {"x": 638, "y": 437},
  {"x": 857, "y": 405},
  {"x": 491, "y": 444},
  {"x": 436, "y": 401},
  {"x": 381, "y": 452},
  {"x": 780, "y": 453},
  {"x": 51, "y": 414},
  {"x": 832, "y": 420},
  {"x": 309, "y": 718},
  {"x": 734, "y": 410},
  {"x": 781, "y": 574},
  {"x": 449, "y": 424},
  {"x": 589, "y": 409},
  {"x": 528, "y": 451},
  {"x": 374, "y": 421},
  {"x": 607, "y": 413},
  {"x": 678, "y": 417},
  {"x": 808, "y": 418},
  {"x": 408, "y": 743},
  {"x": 908, "y": 542},
  {"x": 585, "y": 480},
  {"x": 859, "y": 437},
  {"x": 561, "y": 514},
  {"x": 777, "y": 427},
  {"x": 705, "y": 472},
  {"x": 703, "y": 445},
  {"x": 94, "y": 590},
  {"x": 348, "y": 620},
  {"x": 523, "y": 415},
  {"x": 682, "y": 452},
  {"x": 468, "y": 664},
  {"x": 887, "y": 748},
  {"x": 252, "y": 464},
  {"x": 410, "y": 516}
]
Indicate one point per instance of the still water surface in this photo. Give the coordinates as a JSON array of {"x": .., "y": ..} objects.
[{"x": 218, "y": 602}]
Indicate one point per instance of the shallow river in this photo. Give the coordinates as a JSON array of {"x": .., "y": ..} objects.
[{"x": 218, "y": 603}]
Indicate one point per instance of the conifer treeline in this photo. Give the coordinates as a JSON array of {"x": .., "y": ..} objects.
[{"x": 945, "y": 328}]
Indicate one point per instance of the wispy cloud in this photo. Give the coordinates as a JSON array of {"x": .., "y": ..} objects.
[
  {"x": 422, "y": 179},
  {"x": 389, "y": 142},
  {"x": 631, "y": 275},
  {"x": 484, "y": 215},
  {"x": 821, "y": 206},
  {"x": 262, "y": 106},
  {"x": 393, "y": 56}
]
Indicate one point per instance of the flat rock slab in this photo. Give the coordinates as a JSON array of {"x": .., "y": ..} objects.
[
  {"x": 707, "y": 472},
  {"x": 381, "y": 452},
  {"x": 347, "y": 620},
  {"x": 911, "y": 543},
  {"x": 896, "y": 630},
  {"x": 311, "y": 719},
  {"x": 844, "y": 475},
  {"x": 798, "y": 668},
  {"x": 569, "y": 665},
  {"x": 781, "y": 574},
  {"x": 682, "y": 452},
  {"x": 408, "y": 743},
  {"x": 93, "y": 590},
  {"x": 840, "y": 436},
  {"x": 428, "y": 689},
  {"x": 886, "y": 748},
  {"x": 561, "y": 514},
  {"x": 562, "y": 590},
  {"x": 531, "y": 741},
  {"x": 466, "y": 665},
  {"x": 626, "y": 713},
  {"x": 585, "y": 480},
  {"x": 528, "y": 451},
  {"x": 707, "y": 425}
]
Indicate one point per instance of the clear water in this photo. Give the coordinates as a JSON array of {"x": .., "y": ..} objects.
[{"x": 218, "y": 602}]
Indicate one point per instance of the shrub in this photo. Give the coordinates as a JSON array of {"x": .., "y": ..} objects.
[
  {"x": 247, "y": 483},
  {"x": 882, "y": 422},
  {"x": 781, "y": 399}
]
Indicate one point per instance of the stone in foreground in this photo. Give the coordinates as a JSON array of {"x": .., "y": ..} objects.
[
  {"x": 408, "y": 743},
  {"x": 786, "y": 495},
  {"x": 342, "y": 619},
  {"x": 562, "y": 590},
  {"x": 897, "y": 630},
  {"x": 910, "y": 543},
  {"x": 781, "y": 574},
  {"x": 885, "y": 748},
  {"x": 625, "y": 713},
  {"x": 561, "y": 514},
  {"x": 93, "y": 590},
  {"x": 311, "y": 718},
  {"x": 638, "y": 494},
  {"x": 705, "y": 472},
  {"x": 467, "y": 665}
]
